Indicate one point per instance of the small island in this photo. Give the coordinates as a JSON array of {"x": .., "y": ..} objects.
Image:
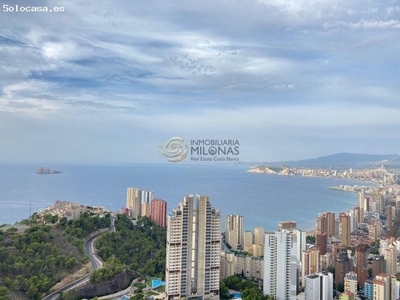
[{"x": 42, "y": 170}]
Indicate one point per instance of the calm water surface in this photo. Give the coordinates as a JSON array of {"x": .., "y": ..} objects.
[{"x": 262, "y": 199}]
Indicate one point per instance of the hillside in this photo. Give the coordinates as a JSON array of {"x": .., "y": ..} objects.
[{"x": 34, "y": 259}]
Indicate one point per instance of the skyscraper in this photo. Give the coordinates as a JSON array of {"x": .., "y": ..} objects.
[
  {"x": 259, "y": 235},
  {"x": 322, "y": 243},
  {"x": 357, "y": 214},
  {"x": 326, "y": 223},
  {"x": 361, "y": 204},
  {"x": 134, "y": 202},
  {"x": 342, "y": 267},
  {"x": 345, "y": 229},
  {"x": 290, "y": 227},
  {"x": 145, "y": 210},
  {"x": 138, "y": 202},
  {"x": 193, "y": 250},
  {"x": 390, "y": 254},
  {"x": 361, "y": 265},
  {"x": 379, "y": 200},
  {"x": 147, "y": 196},
  {"x": 248, "y": 238},
  {"x": 319, "y": 286},
  {"x": 281, "y": 271},
  {"x": 234, "y": 223},
  {"x": 389, "y": 214},
  {"x": 384, "y": 287},
  {"x": 159, "y": 212},
  {"x": 282, "y": 225},
  {"x": 300, "y": 242},
  {"x": 309, "y": 263}
]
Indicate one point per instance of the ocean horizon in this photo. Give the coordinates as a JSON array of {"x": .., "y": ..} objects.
[{"x": 263, "y": 199}]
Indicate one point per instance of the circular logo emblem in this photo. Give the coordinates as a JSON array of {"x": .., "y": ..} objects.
[{"x": 175, "y": 149}]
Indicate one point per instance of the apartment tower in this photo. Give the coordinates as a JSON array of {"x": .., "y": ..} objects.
[
  {"x": 319, "y": 286},
  {"x": 259, "y": 235},
  {"x": 345, "y": 229},
  {"x": 134, "y": 202},
  {"x": 281, "y": 271},
  {"x": 159, "y": 212},
  {"x": 361, "y": 204},
  {"x": 310, "y": 263},
  {"x": 193, "y": 250},
  {"x": 326, "y": 223},
  {"x": 234, "y": 230}
]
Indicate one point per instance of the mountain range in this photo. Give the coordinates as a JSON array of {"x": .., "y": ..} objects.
[{"x": 343, "y": 161}]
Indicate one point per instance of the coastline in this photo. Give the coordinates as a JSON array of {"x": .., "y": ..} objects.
[
  {"x": 351, "y": 189},
  {"x": 313, "y": 176},
  {"x": 262, "y": 200}
]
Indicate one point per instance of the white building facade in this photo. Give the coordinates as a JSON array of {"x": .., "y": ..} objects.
[
  {"x": 193, "y": 250},
  {"x": 280, "y": 265}
]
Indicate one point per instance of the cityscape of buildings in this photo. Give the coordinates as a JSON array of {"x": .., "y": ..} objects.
[
  {"x": 352, "y": 254},
  {"x": 379, "y": 175},
  {"x": 70, "y": 210}
]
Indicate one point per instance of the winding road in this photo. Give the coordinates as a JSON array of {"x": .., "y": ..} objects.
[{"x": 96, "y": 264}]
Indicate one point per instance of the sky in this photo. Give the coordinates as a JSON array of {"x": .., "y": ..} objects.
[{"x": 109, "y": 81}]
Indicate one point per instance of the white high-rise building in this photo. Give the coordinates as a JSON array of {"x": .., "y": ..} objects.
[
  {"x": 193, "y": 250},
  {"x": 353, "y": 222},
  {"x": 259, "y": 235},
  {"x": 235, "y": 222},
  {"x": 138, "y": 202},
  {"x": 300, "y": 241},
  {"x": 319, "y": 286},
  {"x": 248, "y": 238},
  {"x": 231, "y": 237},
  {"x": 147, "y": 196},
  {"x": 281, "y": 265}
]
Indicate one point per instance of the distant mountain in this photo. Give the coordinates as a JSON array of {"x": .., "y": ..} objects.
[{"x": 344, "y": 161}]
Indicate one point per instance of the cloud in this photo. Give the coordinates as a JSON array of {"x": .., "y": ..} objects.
[
  {"x": 280, "y": 87},
  {"x": 365, "y": 24},
  {"x": 282, "y": 70},
  {"x": 392, "y": 10}
]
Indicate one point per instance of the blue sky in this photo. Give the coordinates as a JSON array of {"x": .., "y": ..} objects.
[{"x": 108, "y": 81}]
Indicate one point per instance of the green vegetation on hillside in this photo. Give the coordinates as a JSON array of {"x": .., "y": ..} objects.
[
  {"x": 109, "y": 270},
  {"x": 33, "y": 261},
  {"x": 140, "y": 246}
]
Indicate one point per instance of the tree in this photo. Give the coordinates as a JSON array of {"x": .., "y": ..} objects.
[
  {"x": 374, "y": 251},
  {"x": 7, "y": 282},
  {"x": 251, "y": 294},
  {"x": 232, "y": 282},
  {"x": 3, "y": 293},
  {"x": 223, "y": 291},
  {"x": 11, "y": 230},
  {"x": 310, "y": 239}
]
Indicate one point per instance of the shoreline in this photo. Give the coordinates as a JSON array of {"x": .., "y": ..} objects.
[
  {"x": 312, "y": 230},
  {"x": 253, "y": 215},
  {"x": 313, "y": 176}
]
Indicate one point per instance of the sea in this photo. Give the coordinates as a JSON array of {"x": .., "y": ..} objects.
[{"x": 263, "y": 199}]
